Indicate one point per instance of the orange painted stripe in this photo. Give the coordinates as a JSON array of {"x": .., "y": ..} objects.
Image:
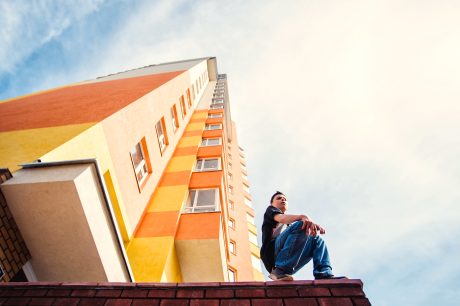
[
  {"x": 205, "y": 179},
  {"x": 214, "y": 151},
  {"x": 186, "y": 151},
  {"x": 215, "y": 111},
  {"x": 213, "y": 133},
  {"x": 157, "y": 224},
  {"x": 214, "y": 120},
  {"x": 192, "y": 133},
  {"x": 63, "y": 106},
  {"x": 192, "y": 120},
  {"x": 209, "y": 225},
  {"x": 175, "y": 178}
]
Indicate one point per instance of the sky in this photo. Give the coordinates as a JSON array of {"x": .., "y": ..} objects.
[{"x": 348, "y": 107}]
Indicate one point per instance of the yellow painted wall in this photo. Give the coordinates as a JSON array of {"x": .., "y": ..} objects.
[{"x": 19, "y": 147}]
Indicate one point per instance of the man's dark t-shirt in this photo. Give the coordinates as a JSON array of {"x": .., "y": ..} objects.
[{"x": 267, "y": 252}]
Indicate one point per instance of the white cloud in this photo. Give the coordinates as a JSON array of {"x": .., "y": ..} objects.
[{"x": 25, "y": 26}]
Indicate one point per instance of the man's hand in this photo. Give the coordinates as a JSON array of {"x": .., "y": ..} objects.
[{"x": 312, "y": 228}]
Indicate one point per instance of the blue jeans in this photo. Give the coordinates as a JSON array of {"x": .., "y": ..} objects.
[{"x": 294, "y": 249}]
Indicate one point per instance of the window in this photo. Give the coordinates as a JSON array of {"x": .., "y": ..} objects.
[
  {"x": 256, "y": 262},
  {"x": 182, "y": 107},
  {"x": 217, "y": 101},
  {"x": 219, "y": 115},
  {"x": 231, "y": 205},
  {"x": 216, "y": 106},
  {"x": 209, "y": 142},
  {"x": 202, "y": 200},
  {"x": 246, "y": 188},
  {"x": 230, "y": 177},
  {"x": 250, "y": 218},
  {"x": 247, "y": 202},
  {"x": 193, "y": 92},
  {"x": 253, "y": 238},
  {"x": 189, "y": 101},
  {"x": 232, "y": 247},
  {"x": 161, "y": 134},
  {"x": 243, "y": 166},
  {"x": 231, "y": 223},
  {"x": 138, "y": 158},
  {"x": 174, "y": 120},
  {"x": 209, "y": 164},
  {"x": 230, "y": 189},
  {"x": 231, "y": 275},
  {"x": 210, "y": 127},
  {"x": 229, "y": 155},
  {"x": 245, "y": 177}
]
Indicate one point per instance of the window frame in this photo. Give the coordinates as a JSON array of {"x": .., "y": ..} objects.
[
  {"x": 143, "y": 165},
  {"x": 215, "y": 115},
  {"x": 163, "y": 137},
  {"x": 191, "y": 209},
  {"x": 174, "y": 118},
  {"x": 232, "y": 222},
  {"x": 213, "y": 126},
  {"x": 183, "y": 109},
  {"x": 233, "y": 243},
  {"x": 203, "y": 169},
  {"x": 233, "y": 272},
  {"x": 253, "y": 236},
  {"x": 206, "y": 140}
]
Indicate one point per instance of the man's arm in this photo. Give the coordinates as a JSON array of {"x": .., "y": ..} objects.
[
  {"x": 288, "y": 219},
  {"x": 309, "y": 226}
]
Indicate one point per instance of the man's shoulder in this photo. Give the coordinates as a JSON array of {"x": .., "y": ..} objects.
[{"x": 272, "y": 210}]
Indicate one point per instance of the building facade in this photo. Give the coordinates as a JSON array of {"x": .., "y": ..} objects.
[{"x": 136, "y": 176}]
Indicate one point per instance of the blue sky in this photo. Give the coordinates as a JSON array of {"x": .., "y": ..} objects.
[{"x": 349, "y": 107}]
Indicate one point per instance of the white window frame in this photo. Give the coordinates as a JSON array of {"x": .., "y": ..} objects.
[
  {"x": 174, "y": 119},
  {"x": 142, "y": 167},
  {"x": 205, "y": 142},
  {"x": 253, "y": 238},
  {"x": 200, "y": 167},
  {"x": 195, "y": 208},
  {"x": 217, "y": 100},
  {"x": 215, "y": 115},
  {"x": 161, "y": 135},
  {"x": 248, "y": 202},
  {"x": 250, "y": 219},
  {"x": 232, "y": 247},
  {"x": 231, "y": 275},
  {"x": 231, "y": 223},
  {"x": 213, "y": 126}
]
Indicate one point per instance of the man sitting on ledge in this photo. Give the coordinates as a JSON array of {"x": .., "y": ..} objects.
[{"x": 289, "y": 242}]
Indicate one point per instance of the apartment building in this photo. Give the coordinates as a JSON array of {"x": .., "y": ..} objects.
[{"x": 135, "y": 176}]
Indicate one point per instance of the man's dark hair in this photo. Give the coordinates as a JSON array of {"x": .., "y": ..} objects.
[{"x": 274, "y": 195}]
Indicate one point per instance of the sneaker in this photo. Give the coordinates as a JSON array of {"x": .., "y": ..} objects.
[
  {"x": 280, "y": 275},
  {"x": 328, "y": 276}
]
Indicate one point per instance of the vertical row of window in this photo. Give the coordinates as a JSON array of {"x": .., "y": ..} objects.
[{"x": 139, "y": 154}]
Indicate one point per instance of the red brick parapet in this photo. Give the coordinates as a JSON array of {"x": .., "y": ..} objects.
[{"x": 345, "y": 292}]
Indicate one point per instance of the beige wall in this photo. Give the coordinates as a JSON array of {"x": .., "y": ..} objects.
[
  {"x": 62, "y": 215},
  {"x": 124, "y": 129}
]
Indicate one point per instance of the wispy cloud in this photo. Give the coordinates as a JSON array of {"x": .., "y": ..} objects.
[
  {"x": 351, "y": 108},
  {"x": 28, "y": 25}
]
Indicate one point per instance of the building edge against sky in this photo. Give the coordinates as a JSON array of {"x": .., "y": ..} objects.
[{"x": 135, "y": 176}]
